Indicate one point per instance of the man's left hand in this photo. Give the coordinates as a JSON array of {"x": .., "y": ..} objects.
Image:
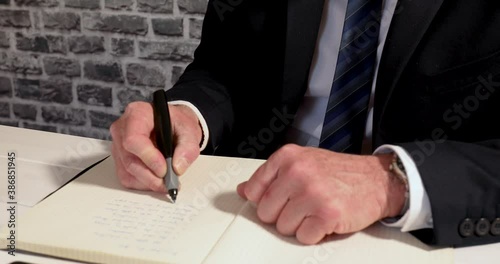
[{"x": 311, "y": 192}]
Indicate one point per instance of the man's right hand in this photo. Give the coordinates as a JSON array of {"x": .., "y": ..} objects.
[{"x": 139, "y": 164}]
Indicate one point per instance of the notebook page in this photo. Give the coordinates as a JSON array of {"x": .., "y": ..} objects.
[
  {"x": 95, "y": 219},
  {"x": 249, "y": 241},
  {"x": 47, "y": 178}
]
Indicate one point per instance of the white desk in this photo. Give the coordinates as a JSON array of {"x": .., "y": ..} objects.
[
  {"x": 44, "y": 161},
  {"x": 57, "y": 158}
]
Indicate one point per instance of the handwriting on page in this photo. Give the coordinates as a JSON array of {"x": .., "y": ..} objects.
[{"x": 140, "y": 226}]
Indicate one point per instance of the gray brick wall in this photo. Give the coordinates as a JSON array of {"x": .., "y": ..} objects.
[{"x": 71, "y": 66}]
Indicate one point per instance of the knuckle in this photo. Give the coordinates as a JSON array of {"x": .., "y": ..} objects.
[
  {"x": 330, "y": 211},
  {"x": 154, "y": 158},
  {"x": 258, "y": 186},
  {"x": 264, "y": 216},
  {"x": 131, "y": 107},
  {"x": 339, "y": 227},
  {"x": 126, "y": 182},
  {"x": 131, "y": 167},
  {"x": 296, "y": 170},
  {"x": 330, "y": 217},
  {"x": 288, "y": 150},
  {"x": 155, "y": 186},
  {"x": 112, "y": 129},
  {"x": 129, "y": 142},
  {"x": 156, "y": 164}
]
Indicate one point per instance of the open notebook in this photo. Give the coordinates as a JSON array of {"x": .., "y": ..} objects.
[{"x": 95, "y": 219}]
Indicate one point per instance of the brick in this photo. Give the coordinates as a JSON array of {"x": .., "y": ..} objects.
[
  {"x": 142, "y": 75},
  {"x": 167, "y": 26},
  {"x": 122, "y": 47},
  {"x": 83, "y": 4},
  {"x": 5, "y": 87},
  {"x": 56, "y": 90},
  {"x": 25, "y": 111},
  {"x": 51, "y": 90},
  {"x": 27, "y": 89},
  {"x": 20, "y": 63},
  {"x": 86, "y": 44},
  {"x": 4, "y": 40},
  {"x": 39, "y": 127},
  {"x": 102, "y": 134},
  {"x": 175, "y": 51},
  {"x": 38, "y": 3},
  {"x": 94, "y": 95},
  {"x": 193, "y": 6},
  {"x": 61, "y": 20},
  {"x": 126, "y": 24},
  {"x": 101, "y": 120},
  {"x": 37, "y": 20},
  {"x": 103, "y": 71},
  {"x": 176, "y": 73},
  {"x": 15, "y": 18},
  {"x": 119, "y": 4},
  {"x": 128, "y": 96},
  {"x": 61, "y": 66},
  {"x": 156, "y": 6},
  {"x": 39, "y": 43},
  {"x": 64, "y": 115},
  {"x": 4, "y": 109},
  {"x": 195, "y": 27}
]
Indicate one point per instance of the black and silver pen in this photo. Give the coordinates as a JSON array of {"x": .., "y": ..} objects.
[{"x": 164, "y": 140}]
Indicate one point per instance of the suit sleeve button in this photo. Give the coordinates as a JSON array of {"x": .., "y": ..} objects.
[
  {"x": 482, "y": 227},
  {"x": 466, "y": 228},
  {"x": 495, "y": 227}
]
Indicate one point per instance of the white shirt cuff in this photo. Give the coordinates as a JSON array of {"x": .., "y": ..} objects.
[
  {"x": 419, "y": 214},
  {"x": 203, "y": 123}
]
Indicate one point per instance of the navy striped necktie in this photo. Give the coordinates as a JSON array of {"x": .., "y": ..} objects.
[{"x": 347, "y": 109}]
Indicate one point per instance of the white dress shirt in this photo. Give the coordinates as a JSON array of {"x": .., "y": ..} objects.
[{"x": 306, "y": 128}]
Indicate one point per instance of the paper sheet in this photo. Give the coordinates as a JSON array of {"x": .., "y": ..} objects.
[
  {"x": 35, "y": 180},
  {"x": 248, "y": 241},
  {"x": 95, "y": 219}
]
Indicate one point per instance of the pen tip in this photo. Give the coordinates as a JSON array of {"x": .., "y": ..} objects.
[{"x": 173, "y": 194}]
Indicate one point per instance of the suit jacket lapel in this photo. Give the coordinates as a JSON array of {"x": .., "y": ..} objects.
[
  {"x": 303, "y": 22},
  {"x": 409, "y": 24}
]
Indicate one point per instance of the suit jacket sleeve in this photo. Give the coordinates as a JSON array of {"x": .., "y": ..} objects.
[
  {"x": 202, "y": 82},
  {"x": 462, "y": 182},
  {"x": 443, "y": 109}
]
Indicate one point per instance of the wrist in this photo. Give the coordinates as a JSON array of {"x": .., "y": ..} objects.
[
  {"x": 397, "y": 197},
  {"x": 395, "y": 189},
  {"x": 193, "y": 115},
  {"x": 194, "y": 122}
]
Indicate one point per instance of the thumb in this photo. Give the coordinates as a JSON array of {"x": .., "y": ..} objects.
[
  {"x": 187, "y": 135},
  {"x": 185, "y": 154}
]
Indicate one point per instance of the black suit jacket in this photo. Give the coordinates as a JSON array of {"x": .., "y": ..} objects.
[{"x": 436, "y": 96}]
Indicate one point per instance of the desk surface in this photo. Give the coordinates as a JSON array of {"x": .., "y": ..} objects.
[{"x": 74, "y": 154}]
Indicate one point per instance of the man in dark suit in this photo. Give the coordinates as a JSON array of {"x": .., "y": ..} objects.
[{"x": 418, "y": 146}]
